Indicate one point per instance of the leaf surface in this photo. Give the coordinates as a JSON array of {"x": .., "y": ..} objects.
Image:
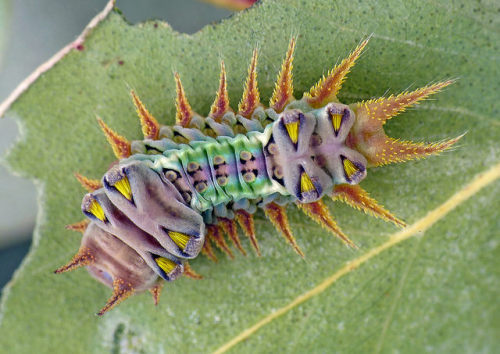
[{"x": 435, "y": 292}]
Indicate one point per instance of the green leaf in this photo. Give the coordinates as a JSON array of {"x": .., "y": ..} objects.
[{"x": 435, "y": 292}]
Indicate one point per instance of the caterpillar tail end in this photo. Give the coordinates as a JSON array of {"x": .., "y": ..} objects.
[{"x": 368, "y": 135}]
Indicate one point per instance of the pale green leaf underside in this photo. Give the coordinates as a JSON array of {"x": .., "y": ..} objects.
[{"x": 436, "y": 293}]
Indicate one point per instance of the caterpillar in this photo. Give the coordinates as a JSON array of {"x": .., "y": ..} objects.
[{"x": 177, "y": 192}]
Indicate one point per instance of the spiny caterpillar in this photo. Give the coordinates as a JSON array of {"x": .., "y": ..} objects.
[{"x": 173, "y": 194}]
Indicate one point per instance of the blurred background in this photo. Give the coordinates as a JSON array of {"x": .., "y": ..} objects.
[{"x": 31, "y": 31}]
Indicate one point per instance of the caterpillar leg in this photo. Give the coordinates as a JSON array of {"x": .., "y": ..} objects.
[
  {"x": 80, "y": 226},
  {"x": 207, "y": 248},
  {"x": 89, "y": 184}
]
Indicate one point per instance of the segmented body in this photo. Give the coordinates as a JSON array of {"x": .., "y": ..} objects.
[
  {"x": 173, "y": 193},
  {"x": 210, "y": 173},
  {"x": 246, "y": 170}
]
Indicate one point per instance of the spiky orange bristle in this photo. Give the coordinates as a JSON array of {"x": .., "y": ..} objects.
[
  {"x": 149, "y": 124},
  {"x": 368, "y": 136},
  {"x": 283, "y": 90},
  {"x": 326, "y": 89},
  {"x": 83, "y": 258},
  {"x": 184, "y": 113},
  {"x": 120, "y": 145},
  {"x": 190, "y": 273},
  {"x": 359, "y": 199},
  {"x": 221, "y": 103},
  {"x": 251, "y": 96},
  {"x": 277, "y": 214},
  {"x": 319, "y": 213},
  {"x": 121, "y": 291},
  {"x": 229, "y": 227},
  {"x": 245, "y": 220},
  {"x": 80, "y": 226},
  {"x": 156, "y": 292},
  {"x": 208, "y": 251},
  {"x": 90, "y": 185},
  {"x": 384, "y": 108},
  {"x": 391, "y": 150},
  {"x": 214, "y": 233}
]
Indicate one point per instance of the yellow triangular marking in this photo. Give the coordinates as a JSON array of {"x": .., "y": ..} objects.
[
  {"x": 123, "y": 186},
  {"x": 179, "y": 238},
  {"x": 306, "y": 185},
  {"x": 349, "y": 167},
  {"x": 96, "y": 210},
  {"x": 165, "y": 264},
  {"x": 293, "y": 131},
  {"x": 336, "y": 120}
]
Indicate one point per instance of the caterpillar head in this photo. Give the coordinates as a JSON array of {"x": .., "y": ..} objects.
[
  {"x": 113, "y": 263},
  {"x": 109, "y": 218},
  {"x": 140, "y": 229},
  {"x": 153, "y": 204}
]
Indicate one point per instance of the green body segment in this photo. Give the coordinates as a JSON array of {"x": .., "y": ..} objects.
[{"x": 222, "y": 170}]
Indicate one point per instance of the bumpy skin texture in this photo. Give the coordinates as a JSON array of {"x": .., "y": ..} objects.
[
  {"x": 248, "y": 164},
  {"x": 171, "y": 194}
]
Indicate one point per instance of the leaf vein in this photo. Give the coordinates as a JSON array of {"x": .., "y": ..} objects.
[{"x": 478, "y": 183}]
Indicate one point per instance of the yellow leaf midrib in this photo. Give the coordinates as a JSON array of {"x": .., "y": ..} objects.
[{"x": 479, "y": 182}]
